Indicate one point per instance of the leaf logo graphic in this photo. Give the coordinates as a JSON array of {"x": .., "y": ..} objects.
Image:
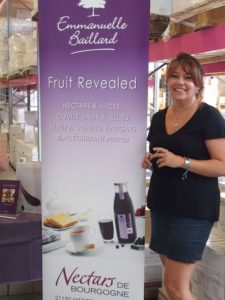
[{"x": 92, "y": 4}]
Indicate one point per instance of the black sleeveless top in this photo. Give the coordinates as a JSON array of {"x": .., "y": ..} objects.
[{"x": 197, "y": 196}]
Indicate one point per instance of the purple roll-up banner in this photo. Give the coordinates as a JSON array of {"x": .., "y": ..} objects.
[{"x": 93, "y": 90}]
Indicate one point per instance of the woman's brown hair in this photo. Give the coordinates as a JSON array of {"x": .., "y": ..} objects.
[{"x": 191, "y": 66}]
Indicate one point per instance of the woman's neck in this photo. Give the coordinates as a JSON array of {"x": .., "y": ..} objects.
[{"x": 186, "y": 105}]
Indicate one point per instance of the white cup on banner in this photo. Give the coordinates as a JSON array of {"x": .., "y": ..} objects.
[{"x": 81, "y": 237}]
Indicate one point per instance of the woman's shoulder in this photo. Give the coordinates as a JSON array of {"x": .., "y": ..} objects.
[
  {"x": 157, "y": 121},
  {"x": 209, "y": 109},
  {"x": 209, "y": 112},
  {"x": 160, "y": 113},
  {"x": 213, "y": 123}
]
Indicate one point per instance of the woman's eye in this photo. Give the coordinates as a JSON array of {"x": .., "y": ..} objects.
[
  {"x": 174, "y": 75},
  {"x": 185, "y": 77},
  {"x": 188, "y": 77}
]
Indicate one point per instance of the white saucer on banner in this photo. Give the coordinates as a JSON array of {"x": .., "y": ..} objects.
[{"x": 70, "y": 248}]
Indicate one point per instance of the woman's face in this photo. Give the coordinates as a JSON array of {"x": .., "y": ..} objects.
[{"x": 181, "y": 85}]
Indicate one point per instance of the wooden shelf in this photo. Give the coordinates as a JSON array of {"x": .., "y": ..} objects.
[
  {"x": 22, "y": 82},
  {"x": 30, "y": 70},
  {"x": 201, "y": 15},
  {"x": 208, "y": 45},
  {"x": 209, "y": 41},
  {"x": 196, "y": 9}
]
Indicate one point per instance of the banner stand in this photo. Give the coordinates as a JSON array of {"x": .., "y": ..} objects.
[{"x": 93, "y": 89}]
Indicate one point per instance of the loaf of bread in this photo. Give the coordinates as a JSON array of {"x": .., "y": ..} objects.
[{"x": 60, "y": 220}]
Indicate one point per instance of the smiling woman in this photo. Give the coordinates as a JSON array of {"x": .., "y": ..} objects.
[
  {"x": 186, "y": 155},
  {"x": 185, "y": 83},
  {"x": 191, "y": 71}
]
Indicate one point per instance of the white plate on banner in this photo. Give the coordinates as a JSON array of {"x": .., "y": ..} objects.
[
  {"x": 62, "y": 228},
  {"x": 71, "y": 250}
]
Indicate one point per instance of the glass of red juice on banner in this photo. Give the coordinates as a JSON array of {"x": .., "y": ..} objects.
[{"x": 107, "y": 230}]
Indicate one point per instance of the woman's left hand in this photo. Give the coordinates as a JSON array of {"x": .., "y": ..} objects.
[{"x": 165, "y": 158}]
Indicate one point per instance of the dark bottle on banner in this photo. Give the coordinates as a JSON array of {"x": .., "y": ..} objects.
[{"x": 124, "y": 214}]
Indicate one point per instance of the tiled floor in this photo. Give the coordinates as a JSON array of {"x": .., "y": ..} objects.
[{"x": 22, "y": 297}]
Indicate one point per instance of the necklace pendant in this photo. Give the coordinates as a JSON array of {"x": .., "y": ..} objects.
[{"x": 176, "y": 125}]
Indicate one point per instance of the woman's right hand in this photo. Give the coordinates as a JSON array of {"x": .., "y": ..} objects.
[{"x": 146, "y": 162}]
